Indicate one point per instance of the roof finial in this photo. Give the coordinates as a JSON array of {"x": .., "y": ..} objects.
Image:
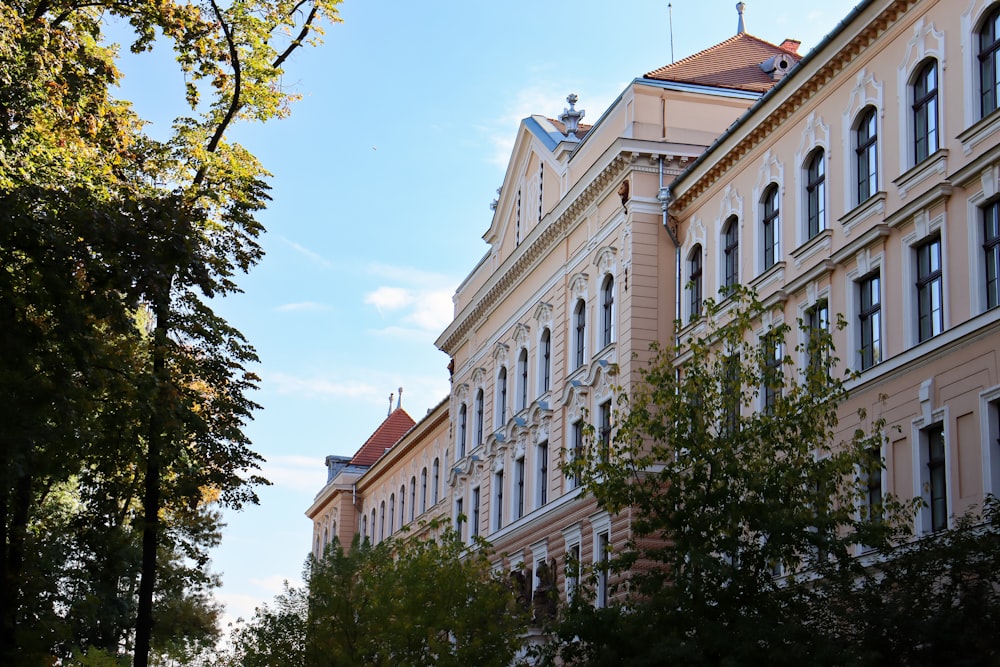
[
  {"x": 571, "y": 117},
  {"x": 391, "y": 396},
  {"x": 740, "y": 27},
  {"x": 399, "y": 402}
]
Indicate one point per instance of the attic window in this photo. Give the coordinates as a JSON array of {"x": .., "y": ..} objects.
[{"x": 777, "y": 66}]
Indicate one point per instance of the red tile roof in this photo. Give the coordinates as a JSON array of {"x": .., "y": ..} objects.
[
  {"x": 581, "y": 129},
  {"x": 385, "y": 436},
  {"x": 734, "y": 63}
]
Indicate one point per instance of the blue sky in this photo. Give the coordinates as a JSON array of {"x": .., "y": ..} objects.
[{"x": 382, "y": 179}]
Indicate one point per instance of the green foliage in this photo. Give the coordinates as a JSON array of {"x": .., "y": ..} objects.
[
  {"x": 408, "y": 601},
  {"x": 725, "y": 495},
  {"x": 122, "y": 395}
]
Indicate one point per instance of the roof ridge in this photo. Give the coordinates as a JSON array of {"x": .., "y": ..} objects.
[{"x": 399, "y": 422}]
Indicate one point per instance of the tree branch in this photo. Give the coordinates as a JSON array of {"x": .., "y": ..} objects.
[{"x": 297, "y": 42}]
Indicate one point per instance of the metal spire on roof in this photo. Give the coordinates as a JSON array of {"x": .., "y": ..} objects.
[
  {"x": 571, "y": 117},
  {"x": 391, "y": 396},
  {"x": 740, "y": 27},
  {"x": 399, "y": 401}
]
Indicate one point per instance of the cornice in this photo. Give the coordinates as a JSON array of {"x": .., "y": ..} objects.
[
  {"x": 798, "y": 97},
  {"x": 537, "y": 249}
]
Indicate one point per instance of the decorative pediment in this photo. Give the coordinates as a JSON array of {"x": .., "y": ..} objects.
[
  {"x": 521, "y": 332},
  {"x": 578, "y": 286},
  {"x": 478, "y": 376},
  {"x": 605, "y": 260},
  {"x": 500, "y": 354},
  {"x": 575, "y": 400},
  {"x": 731, "y": 204},
  {"x": 816, "y": 133},
  {"x": 543, "y": 315},
  {"x": 771, "y": 171}
]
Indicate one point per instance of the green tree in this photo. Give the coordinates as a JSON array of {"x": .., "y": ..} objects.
[
  {"x": 408, "y": 601},
  {"x": 736, "y": 510},
  {"x": 128, "y": 422}
]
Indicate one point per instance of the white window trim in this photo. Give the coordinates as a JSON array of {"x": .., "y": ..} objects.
[
  {"x": 539, "y": 554},
  {"x": 814, "y": 296},
  {"x": 572, "y": 536},
  {"x": 921, "y": 477},
  {"x": 924, "y": 43},
  {"x": 600, "y": 524},
  {"x": 865, "y": 265},
  {"x": 771, "y": 172},
  {"x": 989, "y": 424},
  {"x": 867, "y": 92},
  {"x": 924, "y": 228},
  {"x": 977, "y": 260},
  {"x": 816, "y": 135}
]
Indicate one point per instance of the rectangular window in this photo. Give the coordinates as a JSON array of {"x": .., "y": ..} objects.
[
  {"x": 870, "y": 320},
  {"x": 474, "y": 527},
  {"x": 873, "y": 485},
  {"x": 991, "y": 250},
  {"x": 543, "y": 473},
  {"x": 546, "y": 360},
  {"x": 773, "y": 377},
  {"x": 930, "y": 297},
  {"x": 572, "y": 569},
  {"x": 817, "y": 325},
  {"x": 498, "y": 500},
  {"x": 601, "y": 561},
  {"x": 518, "y": 488},
  {"x": 937, "y": 476},
  {"x": 925, "y": 112},
  {"x": 458, "y": 516},
  {"x": 605, "y": 444},
  {"x": 577, "y": 452}
]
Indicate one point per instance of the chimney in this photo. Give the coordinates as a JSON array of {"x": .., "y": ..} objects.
[
  {"x": 791, "y": 45},
  {"x": 740, "y": 27}
]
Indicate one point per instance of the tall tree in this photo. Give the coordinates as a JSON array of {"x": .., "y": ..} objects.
[{"x": 99, "y": 224}]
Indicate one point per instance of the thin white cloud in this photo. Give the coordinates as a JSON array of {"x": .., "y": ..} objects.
[
  {"x": 312, "y": 255},
  {"x": 312, "y": 387},
  {"x": 300, "y": 474},
  {"x": 302, "y": 307},
  {"x": 412, "y": 299}
]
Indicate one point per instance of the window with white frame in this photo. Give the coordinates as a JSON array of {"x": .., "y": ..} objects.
[
  {"x": 934, "y": 477},
  {"x": 991, "y": 251},
  {"x": 730, "y": 253},
  {"x": 423, "y": 490},
  {"x": 522, "y": 379},
  {"x": 990, "y": 424},
  {"x": 381, "y": 521},
  {"x": 866, "y": 154},
  {"x": 461, "y": 436},
  {"x": 601, "y": 525},
  {"x": 988, "y": 57},
  {"x": 576, "y": 451},
  {"x": 518, "y": 509},
  {"x": 413, "y": 498},
  {"x": 542, "y": 473},
  {"x": 436, "y": 480},
  {"x": 769, "y": 226},
  {"x": 929, "y": 289},
  {"x": 604, "y": 415},
  {"x": 501, "y": 412},
  {"x": 579, "y": 333},
  {"x": 573, "y": 560},
  {"x": 392, "y": 512},
  {"x": 364, "y": 528},
  {"x": 817, "y": 324},
  {"x": 545, "y": 360},
  {"x": 607, "y": 310},
  {"x": 772, "y": 373},
  {"x": 373, "y": 526},
  {"x": 498, "y": 500},
  {"x": 924, "y": 107},
  {"x": 459, "y": 517},
  {"x": 869, "y": 320},
  {"x": 474, "y": 521},
  {"x": 815, "y": 193},
  {"x": 402, "y": 505},
  {"x": 480, "y": 418},
  {"x": 695, "y": 283}
]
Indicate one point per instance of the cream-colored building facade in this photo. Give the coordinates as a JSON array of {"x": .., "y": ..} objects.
[
  {"x": 862, "y": 179},
  {"x": 867, "y": 185}
]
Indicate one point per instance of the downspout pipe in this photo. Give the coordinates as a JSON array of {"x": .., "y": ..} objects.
[{"x": 665, "y": 196}]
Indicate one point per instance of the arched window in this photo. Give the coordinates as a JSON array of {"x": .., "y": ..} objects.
[
  {"x": 866, "y": 154},
  {"x": 402, "y": 505},
  {"x": 479, "y": 417},
  {"x": 462, "y": 426},
  {"x": 731, "y": 252},
  {"x": 545, "y": 360},
  {"x": 436, "y": 480},
  {"x": 695, "y": 282},
  {"x": 364, "y": 528},
  {"x": 522, "y": 379},
  {"x": 413, "y": 498},
  {"x": 925, "y": 111},
  {"x": 607, "y": 310},
  {"x": 423, "y": 490},
  {"x": 501, "y": 416},
  {"x": 392, "y": 512},
  {"x": 815, "y": 194},
  {"x": 381, "y": 521},
  {"x": 989, "y": 62},
  {"x": 580, "y": 333},
  {"x": 769, "y": 222}
]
